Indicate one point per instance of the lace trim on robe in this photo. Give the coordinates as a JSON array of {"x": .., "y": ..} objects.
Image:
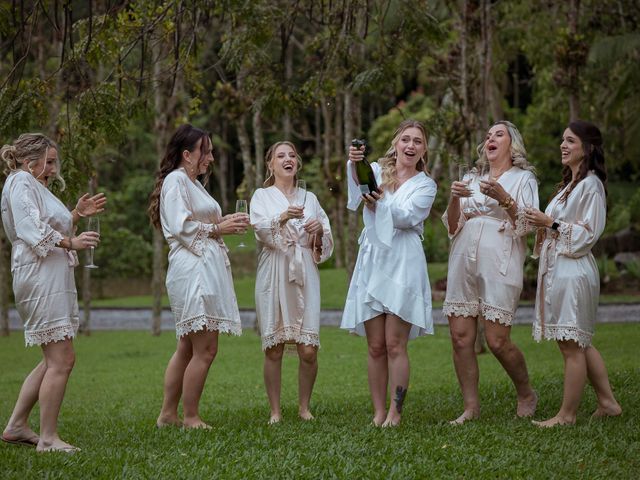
[
  {"x": 493, "y": 314},
  {"x": 48, "y": 243},
  {"x": 461, "y": 309},
  {"x": 197, "y": 246},
  {"x": 276, "y": 234},
  {"x": 562, "y": 332},
  {"x": 48, "y": 335},
  {"x": 522, "y": 227},
  {"x": 209, "y": 323},
  {"x": 290, "y": 333},
  {"x": 565, "y": 234}
]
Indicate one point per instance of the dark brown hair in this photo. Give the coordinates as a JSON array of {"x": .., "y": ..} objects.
[
  {"x": 593, "y": 158},
  {"x": 185, "y": 138}
]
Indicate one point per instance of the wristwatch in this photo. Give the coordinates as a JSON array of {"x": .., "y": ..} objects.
[{"x": 555, "y": 225}]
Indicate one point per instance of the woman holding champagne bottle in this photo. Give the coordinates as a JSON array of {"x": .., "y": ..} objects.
[
  {"x": 199, "y": 281},
  {"x": 293, "y": 235},
  {"x": 43, "y": 256},
  {"x": 389, "y": 298},
  {"x": 485, "y": 221}
]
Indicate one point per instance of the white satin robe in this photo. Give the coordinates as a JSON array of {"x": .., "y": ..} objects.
[
  {"x": 487, "y": 253},
  {"x": 199, "y": 281},
  {"x": 390, "y": 274},
  {"x": 287, "y": 281},
  {"x": 35, "y": 220},
  {"x": 568, "y": 278}
]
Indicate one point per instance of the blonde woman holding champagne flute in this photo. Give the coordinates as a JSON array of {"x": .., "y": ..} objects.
[{"x": 293, "y": 235}]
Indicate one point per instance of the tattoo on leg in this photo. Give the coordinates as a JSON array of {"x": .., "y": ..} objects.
[{"x": 401, "y": 393}]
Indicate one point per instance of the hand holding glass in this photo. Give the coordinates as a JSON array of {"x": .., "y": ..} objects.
[{"x": 93, "y": 225}]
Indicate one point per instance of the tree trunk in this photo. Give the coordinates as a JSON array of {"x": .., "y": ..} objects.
[
  {"x": 258, "y": 142},
  {"x": 248, "y": 181},
  {"x": 223, "y": 168},
  {"x": 574, "y": 68}
]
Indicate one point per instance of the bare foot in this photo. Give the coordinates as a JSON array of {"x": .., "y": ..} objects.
[
  {"x": 527, "y": 405},
  {"x": 196, "y": 424},
  {"x": 306, "y": 415},
  {"x": 392, "y": 420},
  {"x": 168, "y": 422},
  {"x": 466, "y": 416},
  {"x": 56, "y": 445},
  {"x": 379, "y": 418},
  {"x": 20, "y": 436},
  {"x": 555, "y": 421},
  {"x": 275, "y": 418},
  {"x": 611, "y": 410}
]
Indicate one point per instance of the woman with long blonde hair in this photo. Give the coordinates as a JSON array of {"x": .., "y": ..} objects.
[{"x": 389, "y": 298}]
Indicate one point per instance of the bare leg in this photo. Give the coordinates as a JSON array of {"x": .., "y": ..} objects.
[
  {"x": 273, "y": 380},
  {"x": 597, "y": 373},
  {"x": 18, "y": 428},
  {"x": 463, "y": 337},
  {"x": 205, "y": 348},
  {"x": 307, "y": 372},
  {"x": 396, "y": 338},
  {"x": 59, "y": 358},
  {"x": 173, "y": 379},
  {"x": 512, "y": 360},
  {"x": 575, "y": 377},
  {"x": 377, "y": 367}
]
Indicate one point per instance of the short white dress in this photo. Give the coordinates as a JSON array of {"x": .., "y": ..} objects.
[
  {"x": 568, "y": 278},
  {"x": 487, "y": 253},
  {"x": 35, "y": 220},
  {"x": 287, "y": 281},
  {"x": 390, "y": 274},
  {"x": 199, "y": 281}
]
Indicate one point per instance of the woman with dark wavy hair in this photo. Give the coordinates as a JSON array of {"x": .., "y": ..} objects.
[
  {"x": 199, "y": 281},
  {"x": 568, "y": 279}
]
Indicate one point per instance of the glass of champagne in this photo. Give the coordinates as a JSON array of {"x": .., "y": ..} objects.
[
  {"x": 300, "y": 197},
  {"x": 241, "y": 207},
  {"x": 464, "y": 176},
  {"x": 483, "y": 207},
  {"x": 93, "y": 225}
]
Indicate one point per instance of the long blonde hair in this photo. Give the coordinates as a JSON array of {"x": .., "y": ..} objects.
[
  {"x": 271, "y": 155},
  {"x": 29, "y": 148},
  {"x": 388, "y": 162},
  {"x": 518, "y": 152}
]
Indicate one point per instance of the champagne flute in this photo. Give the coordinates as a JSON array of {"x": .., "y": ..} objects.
[
  {"x": 93, "y": 225},
  {"x": 464, "y": 175},
  {"x": 300, "y": 197},
  {"x": 483, "y": 207},
  {"x": 241, "y": 207}
]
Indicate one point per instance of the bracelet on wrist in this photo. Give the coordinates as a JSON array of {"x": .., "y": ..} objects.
[
  {"x": 508, "y": 203},
  {"x": 78, "y": 212}
]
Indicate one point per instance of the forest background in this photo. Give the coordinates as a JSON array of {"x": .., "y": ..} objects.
[{"x": 111, "y": 80}]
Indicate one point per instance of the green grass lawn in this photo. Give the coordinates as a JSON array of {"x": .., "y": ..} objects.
[{"x": 115, "y": 392}]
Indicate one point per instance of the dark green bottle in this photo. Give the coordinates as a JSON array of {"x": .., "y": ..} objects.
[{"x": 364, "y": 173}]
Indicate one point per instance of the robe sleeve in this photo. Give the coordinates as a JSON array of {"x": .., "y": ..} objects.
[
  {"x": 577, "y": 239},
  {"x": 411, "y": 213},
  {"x": 30, "y": 228},
  {"x": 327, "y": 237},
  {"x": 527, "y": 195},
  {"x": 177, "y": 219},
  {"x": 266, "y": 224}
]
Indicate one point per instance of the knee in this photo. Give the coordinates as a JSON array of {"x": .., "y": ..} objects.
[
  {"x": 462, "y": 340},
  {"x": 308, "y": 355},
  {"x": 63, "y": 363},
  {"x": 396, "y": 348},
  {"x": 208, "y": 353},
  {"x": 274, "y": 354},
  {"x": 377, "y": 350},
  {"x": 498, "y": 344}
]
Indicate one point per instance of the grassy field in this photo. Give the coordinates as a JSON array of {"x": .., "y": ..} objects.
[{"x": 115, "y": 392}]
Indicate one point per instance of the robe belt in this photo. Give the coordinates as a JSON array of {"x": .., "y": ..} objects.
[
  {"x": 506, "y": 228},
  {"x": 296, "y": 263}
]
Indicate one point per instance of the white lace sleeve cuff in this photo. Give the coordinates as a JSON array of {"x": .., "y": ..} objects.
[
  {"x": 197, "y": 246},
  {"x": 277, "y": 234},
  {"x": 565, "y": 241},
  {"x": 461, "y": 221},
  {"x": 522, "y": 227},
  {"x": 48, "y": 243}
]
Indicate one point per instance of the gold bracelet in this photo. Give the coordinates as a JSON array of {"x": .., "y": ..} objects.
[
  {"x": 79, "y": 214},
  {"x": 508, "y": 203}
]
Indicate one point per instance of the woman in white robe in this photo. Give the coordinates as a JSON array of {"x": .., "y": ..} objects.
[
  {"x": 293, "y": 236},
  {"x": 485, "y": 220},
  {"x": 41, "y": 231},
  {"x": 389, "y": 297},
  {"x": 199, "y": 281},
  {"x": 568, "y": 279}
]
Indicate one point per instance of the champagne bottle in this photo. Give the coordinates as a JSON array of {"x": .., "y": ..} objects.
[{"x": 364, "y": 173}]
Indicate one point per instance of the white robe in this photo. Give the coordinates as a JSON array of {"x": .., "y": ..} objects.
[
  {"x": 568, "y": 278},
  {"x": 287, "y": 281},
  {"x": 487, "y": 253},
  {"x": 199, "y": 281},
  {"x": 43, "y": 283},
  {"x": 390, "y": 274}
]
